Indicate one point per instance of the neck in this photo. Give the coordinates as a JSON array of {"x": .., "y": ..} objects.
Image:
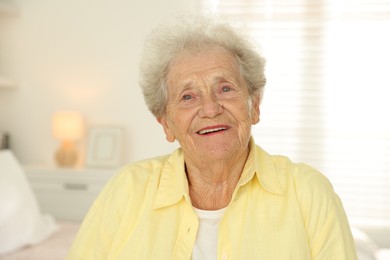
[{"x": 211, "y": 185}]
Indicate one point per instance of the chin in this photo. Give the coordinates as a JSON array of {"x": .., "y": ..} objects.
[{"x": 221, "y": 152}]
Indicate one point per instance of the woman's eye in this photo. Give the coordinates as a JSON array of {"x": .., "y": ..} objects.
[
  {"x": 186, "y": 97},
  {"x": 226, "y": 89}
]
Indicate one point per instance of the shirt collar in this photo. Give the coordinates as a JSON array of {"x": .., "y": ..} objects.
[
  {"x": 260, "y": 164},
  {"x": 173, "y": 185}
]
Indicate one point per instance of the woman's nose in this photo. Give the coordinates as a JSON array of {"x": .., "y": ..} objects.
[{"x": 210, "y": 107}]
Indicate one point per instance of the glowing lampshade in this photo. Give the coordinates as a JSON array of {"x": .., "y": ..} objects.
[{"x": 67, "y": 126}]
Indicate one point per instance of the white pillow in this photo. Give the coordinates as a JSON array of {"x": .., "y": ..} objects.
[
  {"x": 365, "y": 246},
  {"x": 21, "y": 221}
]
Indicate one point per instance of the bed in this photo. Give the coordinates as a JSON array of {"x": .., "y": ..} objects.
[
  {"x": 26, "y": 232},
  {"x": 55, "y": 247}
]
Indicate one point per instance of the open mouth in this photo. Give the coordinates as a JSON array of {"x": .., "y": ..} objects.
[{"x": 207, "y": 131}]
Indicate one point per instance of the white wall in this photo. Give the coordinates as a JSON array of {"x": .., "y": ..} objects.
[{"x": 79, "y": 55}]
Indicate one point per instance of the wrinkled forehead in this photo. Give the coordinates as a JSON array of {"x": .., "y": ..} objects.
[{"x": 209, "y": 65}]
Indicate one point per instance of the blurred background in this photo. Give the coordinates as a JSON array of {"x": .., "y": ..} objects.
[{"x": 80, "y": 56}]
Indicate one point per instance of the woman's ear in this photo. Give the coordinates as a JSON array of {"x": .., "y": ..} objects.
[
  {"x": 167, "y": 129},
  {"x": 255, "y": 109}
]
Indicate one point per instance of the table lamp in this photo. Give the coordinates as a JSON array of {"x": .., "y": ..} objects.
[{"x": 67, "y": 126}]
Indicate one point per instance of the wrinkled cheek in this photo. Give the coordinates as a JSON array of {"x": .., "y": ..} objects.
[
  {"x": 184, "y": 138},
  {"x": 244, "y": 134}
]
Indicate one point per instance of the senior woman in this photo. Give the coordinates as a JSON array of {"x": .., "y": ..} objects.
[{"x": 219, "y": 196}]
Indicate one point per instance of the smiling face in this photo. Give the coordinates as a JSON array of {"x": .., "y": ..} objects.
[{"x": 209, "y": 110}]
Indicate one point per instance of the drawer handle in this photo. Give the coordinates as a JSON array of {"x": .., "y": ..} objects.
[{"x": 75, "y": 186}]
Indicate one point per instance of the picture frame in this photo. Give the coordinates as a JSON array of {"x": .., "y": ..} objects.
[{"x": 104, "y": 146}]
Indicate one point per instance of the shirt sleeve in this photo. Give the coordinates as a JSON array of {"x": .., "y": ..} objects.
[
  {"x": 325, "y": 220},
  {"x": 98, "y": 229}
]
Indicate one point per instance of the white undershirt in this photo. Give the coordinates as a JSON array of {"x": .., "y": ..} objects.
[{"x": 206, "y": 243}]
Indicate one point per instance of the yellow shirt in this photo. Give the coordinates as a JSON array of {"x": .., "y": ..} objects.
[{"x": 279, "y": 210}]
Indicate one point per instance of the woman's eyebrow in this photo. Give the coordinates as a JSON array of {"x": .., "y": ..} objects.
[
  {"x": 212, "y": 81},
  {"x": 180, "y": 88}
]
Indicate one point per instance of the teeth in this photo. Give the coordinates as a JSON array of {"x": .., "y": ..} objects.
[{"x": 202, "y": 132}]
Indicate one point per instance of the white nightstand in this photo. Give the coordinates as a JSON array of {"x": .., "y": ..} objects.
[{"x": 67, "y": 193}]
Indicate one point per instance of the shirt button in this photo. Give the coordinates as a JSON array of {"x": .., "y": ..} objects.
[{"x": 224, "y": 257}]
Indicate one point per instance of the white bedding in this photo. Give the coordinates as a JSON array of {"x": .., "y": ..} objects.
[
  {"x": 25, "y": 232},
  {"x": 53, "y": 248},
  {"x": 21, "y": 220}
]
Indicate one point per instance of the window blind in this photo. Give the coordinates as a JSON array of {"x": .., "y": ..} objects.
[{"x": 326, "y": 98}]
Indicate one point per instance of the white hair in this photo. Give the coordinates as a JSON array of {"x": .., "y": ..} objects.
[{"x": 194, "y": 33}]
